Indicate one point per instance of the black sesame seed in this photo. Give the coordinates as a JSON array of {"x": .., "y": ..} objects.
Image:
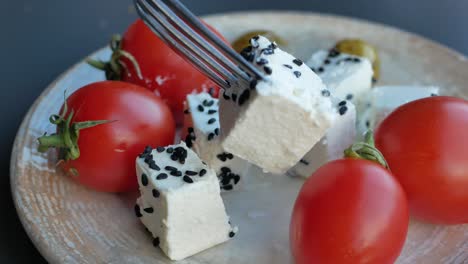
[
  {"x": 303, "y": 161},
  {"x": 170, "y": 150},
  {"x": 153, "y": 165},
  {"x": 267, "y": 70},
  {"x": 434, "y": 94},
  {"x": 229, "y": 156},
  {"x": 156, "y": 193},
  {"x": 170, "y": 168},
  {"x": 222, "y": 157},
  {"x": 228, "y": 187},
  {"x": 348, "y": 59},
  {"x": 137, "y": 211},
  {"x": 367, "y": 123},
  {"x": 156, "y": 242},
  {"x": 190, "y": 130},
  {"x": 245, "y": 95},
  {"x": 211, "y": 136},
  {"x": 333, "y": 53},
  {"x": 148, "y": 158},
  {"x": 174, "y": 157},
  {"x": 161, "y": 149},
  {"x": 208, "y": 103},
  {"x": 356, "y": 60},
  {"x": 287, "y": 66},
  {"x": 343, "y": 110},
  {"x": 161, "y": 176},
  {"x": 248, "y": 49},
  {"x": 313, "y": 69},
  {"x": 187, "y": 179},
  {"x": 176, "y": 173},
  {"x": 186, "y": 111},
  {"x": 262, "y": 61},
  {"x": 144, "y": 179},
  {"x": 253, "y": 84},
  {"x": 273, "y": 45},
  {"x": 216, "y": 131},
  {"x": 211, "y": 121},
  {"x": 179, "y": 149},
  {"x": 225, "y": 96},
  {"x": 325, "y": 93},
  {"x": 147, "y": 149},
  {"x": 211, "y": 111},
  {"x": 327, "y": 61},
  {"x": 236, "y": 178},
  {"x": 234, "y": 97},
  {"x": 297, "y": 73},
  {"x": 256, "y": 38},
  {"x": 232, "y": 234},
  {"x": 200, "y": 108},
  {"x": 149, "y": 210},
  {"x": 188, "y": 141},
  {"x": 268, "y": 51},
  {"x": 298, "y": 62},
  {"x": 225, "y": 179},
  {"x": 342, "y": 103},
  {"x": 349, "y": 97},
  {"x": 202, "y": 172},
  {"x": 320, "y": 69},
  {"x": 225, "y": 170},
  {"x": 191, "y": 173}
]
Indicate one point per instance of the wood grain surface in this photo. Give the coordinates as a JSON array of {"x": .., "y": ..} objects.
[{"x": 71, "y": 224}]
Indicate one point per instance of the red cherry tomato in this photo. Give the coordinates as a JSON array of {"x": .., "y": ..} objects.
[
  {"x": 349, "y": 211},
  {"x": 108, "y": 151},
  {"x": 425, "y": 143},
  {"x": 164, "y": 71}
]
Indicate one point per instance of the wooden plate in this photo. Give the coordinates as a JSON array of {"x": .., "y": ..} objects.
[{"x": 72, "y": 224}]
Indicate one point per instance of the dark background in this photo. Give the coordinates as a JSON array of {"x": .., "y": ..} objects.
[{"x": 39, "y": 39}]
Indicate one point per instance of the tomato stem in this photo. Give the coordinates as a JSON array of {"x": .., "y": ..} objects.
[
  {"x": 66, "y": 138},
  {"x": 114, "y": 67},
  {"x": 366, "y": 150}
]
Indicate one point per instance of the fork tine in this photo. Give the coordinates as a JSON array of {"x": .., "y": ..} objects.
[
  {"x": 191, "y": 52},
  {"x": 180, "y": 25},
  {"x": 194, "y": 22},
  {"x": 167, "y": 36}
]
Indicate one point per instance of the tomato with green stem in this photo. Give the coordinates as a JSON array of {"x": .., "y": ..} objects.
[
  {"x": 103, "y": 127},
  {"x": 426, "y": 145},
  {"x": 350, "y": 211},
  {"x": 142, "y": 58}
]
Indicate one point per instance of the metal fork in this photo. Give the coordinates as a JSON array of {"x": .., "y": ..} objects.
[{"x": 184, "y": 32}]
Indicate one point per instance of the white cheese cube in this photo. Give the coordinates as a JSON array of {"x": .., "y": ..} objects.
[
  {"x": 338, "y": 138},
  {"x": 180, "y": 201},
  {"x": 348, "y": 77},
  {"x": 202, "y": 123},
  {"x": 275, "y": 121}
]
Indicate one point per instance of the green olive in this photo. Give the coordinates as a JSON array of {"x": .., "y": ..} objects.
[
  {"x": 241, "y": 42},
  {"x": 363, "y": 49}
]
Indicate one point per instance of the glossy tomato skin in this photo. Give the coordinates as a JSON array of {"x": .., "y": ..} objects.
[
  {"x": 349, "y": 211},
  {"x": 164, "y": 71},
  {"x": 425, "y": 143},
  {"x": 108, "y": 151}
]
